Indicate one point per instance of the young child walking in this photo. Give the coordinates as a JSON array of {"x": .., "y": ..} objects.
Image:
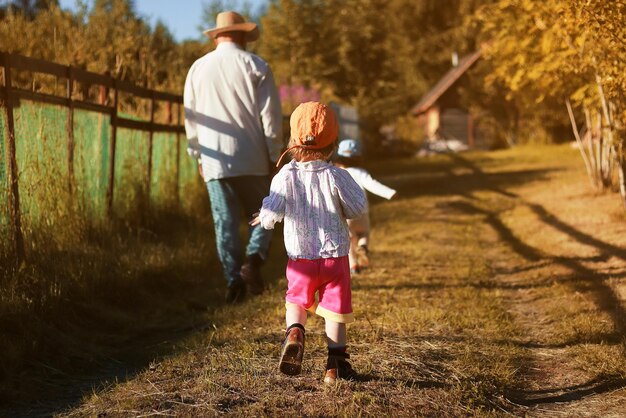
[
  {"x": 350, "y": 157},
  {"x": 314, "y": 198}
]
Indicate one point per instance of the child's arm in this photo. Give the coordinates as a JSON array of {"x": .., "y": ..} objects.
[
  {"x": 374, "y": 186},
  {"x": 273, "y": 209},
  {"x": 352, "y": 197}
]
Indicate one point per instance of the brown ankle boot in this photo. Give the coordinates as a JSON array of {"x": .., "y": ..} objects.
[
  {"x": 251, "y": 274},
  {"x": 292, "y": 350},
  {"x": 338, "y": 367}
]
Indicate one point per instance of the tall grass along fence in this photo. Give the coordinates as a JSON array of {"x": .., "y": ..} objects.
[{"x": 81, "y": 148}]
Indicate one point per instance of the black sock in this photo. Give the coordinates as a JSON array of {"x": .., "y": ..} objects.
[
  {"x": 296, "y": 325},
  {"x": 337, "y": 351}
]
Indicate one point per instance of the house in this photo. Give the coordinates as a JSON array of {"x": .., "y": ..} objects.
[{"x": 440, "y": 112}]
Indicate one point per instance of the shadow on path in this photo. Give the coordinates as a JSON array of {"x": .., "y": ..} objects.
[
  {"x": 583, "y": 279},
  {"x": 567, "y": 394},
  {"x": 54, "y": 389}
]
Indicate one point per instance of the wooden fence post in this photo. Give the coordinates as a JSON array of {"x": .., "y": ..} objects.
[
  {"x": 178, "y": 156},
  {"x": 70, "y": 130},
  {"x": 112, "y": 146},
  {"x": 168, "y": 112},
  {"x": 150, "y": 146},
  {"x": 14, "y": 195}
]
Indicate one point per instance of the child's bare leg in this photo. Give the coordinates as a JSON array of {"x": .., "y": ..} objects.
[
  {"x": 335, "y": 334},
  {"x": 295, "y": 315},
  {"x": 364, "y": 239},
  {"x": 359, "y": 239},
  {"x": 362, "y": 250}
]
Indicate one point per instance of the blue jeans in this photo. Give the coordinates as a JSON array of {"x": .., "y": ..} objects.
[{"x": 229, "y": 198}]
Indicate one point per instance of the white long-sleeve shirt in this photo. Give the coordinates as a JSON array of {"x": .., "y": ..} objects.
[
  {"x": 314, "y": 198},
  {"x": 365, "y": 180},
  {"x": 233, "y": 117}
]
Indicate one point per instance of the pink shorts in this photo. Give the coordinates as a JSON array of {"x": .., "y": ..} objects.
[{"x": 330, "y": 277}]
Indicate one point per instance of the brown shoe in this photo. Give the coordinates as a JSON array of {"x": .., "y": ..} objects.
[
  {"x": 236, "y": 292},
  {"x": 251, "y": 274},
  {"x": 292, "y": 350},
  {"x": 362, "y": 256},
  {"x": 338, "y": 367}
]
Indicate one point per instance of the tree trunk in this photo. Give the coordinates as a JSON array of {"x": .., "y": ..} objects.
[
  {"x": 588, "y": 139},
  {"x": 604, "y": 154},
  {"x": 622, "y": 178},
  {"x": 608, "y": 130},
  {"x": 581, "y": 146}
]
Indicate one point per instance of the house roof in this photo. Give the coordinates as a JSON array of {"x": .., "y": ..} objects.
[{"x": 445, "y": 83}]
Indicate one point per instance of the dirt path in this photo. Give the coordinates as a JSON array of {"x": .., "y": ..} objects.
[
  {"x": 497, "y": 288},
  {"x": 562, "y": 278},
  {"x": 564, "y": 272}
]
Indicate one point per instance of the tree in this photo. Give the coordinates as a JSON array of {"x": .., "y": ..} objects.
[
  {"x": 550, "y": 53},
  {"x": 51, "y": 34},
  {"x": 29, "y": 8},
  {"x": 380, "y": 62},
  {"x": 108, "y": 37}
]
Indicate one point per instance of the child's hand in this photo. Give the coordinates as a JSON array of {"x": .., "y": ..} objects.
[
  {"x": 255, "y": 220},
  {"x": 200, "y": 168}
]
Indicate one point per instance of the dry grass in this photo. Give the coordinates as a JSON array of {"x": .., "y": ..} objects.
[
  {"x": 497, "y": 289},
  {"x": 68, "y": 312}
]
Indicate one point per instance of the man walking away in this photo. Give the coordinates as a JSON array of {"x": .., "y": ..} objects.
[{"x": 233, "y": 121}]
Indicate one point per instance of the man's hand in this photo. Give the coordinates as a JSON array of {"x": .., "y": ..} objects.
[{"x": 255, "y": 220}]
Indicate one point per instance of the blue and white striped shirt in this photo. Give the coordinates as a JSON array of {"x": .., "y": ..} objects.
[{"x": 314, "y": 198}]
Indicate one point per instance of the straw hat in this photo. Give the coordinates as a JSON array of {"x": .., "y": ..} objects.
[{"x": 233, "y": 22}]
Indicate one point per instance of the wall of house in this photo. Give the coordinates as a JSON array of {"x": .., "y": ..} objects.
[
  {"x": 454, "y": 124},
  {"x": 432, "y": 122}
]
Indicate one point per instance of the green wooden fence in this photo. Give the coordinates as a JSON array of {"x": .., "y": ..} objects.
[{"x": 76, "y": 157}]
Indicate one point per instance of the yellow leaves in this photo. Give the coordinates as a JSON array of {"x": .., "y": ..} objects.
[
  {"x": 546, "y": 44},
  {"x": 516, "y": 80},
  {"x": 535, "y": 72},
  {"x": 552, "y": 46},
  {"x": 527, "y": 5},
  {"x": 580, "y": 94},
  {"x": 540, "y": 23}
]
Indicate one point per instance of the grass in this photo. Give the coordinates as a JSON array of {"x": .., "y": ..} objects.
[
  {"x": 496, "y": 290},
  {"x": 67, "y": 312}
]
